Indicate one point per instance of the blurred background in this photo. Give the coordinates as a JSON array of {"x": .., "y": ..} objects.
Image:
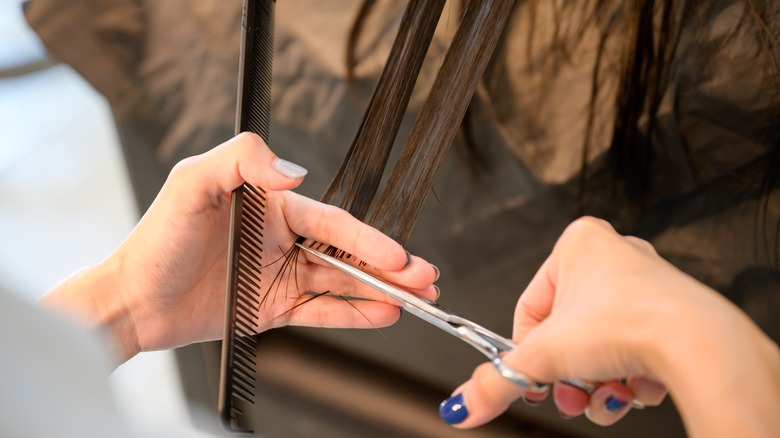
[
  {"x": 70, "y": 192},
  {"x": 66, "y": 200},
  {"x": 90, "y": 127}
]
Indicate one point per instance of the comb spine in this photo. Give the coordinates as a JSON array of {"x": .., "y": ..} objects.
[{"x": 245, "y": 253}]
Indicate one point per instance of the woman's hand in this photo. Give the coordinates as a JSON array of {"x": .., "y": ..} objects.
[
  {"x": 604, "y": 307},
  {"x": 165, "y": 285}
]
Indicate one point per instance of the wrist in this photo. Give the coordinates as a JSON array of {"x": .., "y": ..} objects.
[
  {"x": 92, "y": 297},
  {"x": 721, "y": 370}
]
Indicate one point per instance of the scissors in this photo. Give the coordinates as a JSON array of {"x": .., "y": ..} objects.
[{"x": 483, "y": 340}]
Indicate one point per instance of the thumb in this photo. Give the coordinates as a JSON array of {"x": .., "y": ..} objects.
[
  {"x": 487, "y": 394},
  {"x": 481, "y": 399},
  {"x": 259, "y": 166},
  {"x": 244, "y": 158}
]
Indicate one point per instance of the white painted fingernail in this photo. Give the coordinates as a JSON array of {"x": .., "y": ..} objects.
[{"x": 288, "y": 169}]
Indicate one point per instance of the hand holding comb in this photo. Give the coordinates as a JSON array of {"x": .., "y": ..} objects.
[{"x": 264, "y": 275}]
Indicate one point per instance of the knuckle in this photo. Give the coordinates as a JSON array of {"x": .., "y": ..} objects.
[
  {"x": 249, "y": 138},
  {"x": 585, "y": 231},
  {"x": 184, "y": 165},
  {"x": 642, "y": 243},
  {"x": 484, "y": 393},
  {"x": 357, "y": 241},
  {"x": 324, "y": 222},
  {"x": 183, "y": 168},
  {"x": 587, "y": 225}
]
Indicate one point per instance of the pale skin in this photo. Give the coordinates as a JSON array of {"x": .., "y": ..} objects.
[
  {"x": 605, "y": 307},
  {"x": 602, "y": 307},
  {"x": 164, "y": 287}
]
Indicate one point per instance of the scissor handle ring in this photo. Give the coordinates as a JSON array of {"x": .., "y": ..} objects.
[
  {"x": 527, "y": 384},
  {"x": 519, "y": 379}
]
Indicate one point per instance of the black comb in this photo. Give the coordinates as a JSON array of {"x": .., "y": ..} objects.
[{"x": 245, "y": 252}]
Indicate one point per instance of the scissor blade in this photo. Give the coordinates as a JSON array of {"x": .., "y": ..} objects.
[
  {"x": 415, "y": 305},
  {"x": 487, "y": 342}
]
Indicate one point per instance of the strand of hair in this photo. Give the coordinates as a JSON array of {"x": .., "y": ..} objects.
[
  {"x": 436, "y": 125},
  {"x": 356, "y": 182}
]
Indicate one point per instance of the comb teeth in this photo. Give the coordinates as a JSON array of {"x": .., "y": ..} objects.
[
  {"x": 239, "y": 346},
  {"x": 239, "y": 352}
]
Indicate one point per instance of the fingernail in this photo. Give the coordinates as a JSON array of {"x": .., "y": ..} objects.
[
  {"x": 438, "y": 273},
  {"x": 438, "y": 292},
  {"x": 408, "y": 259},
  {"x": 401, "y": 311},
  {"x": 613, "y": 404},
  {"x": 453, "y": 410},
  {"x": 288, "y": 169}
]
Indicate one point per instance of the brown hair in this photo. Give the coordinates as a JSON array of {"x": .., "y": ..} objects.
[
  {"x": 356, "y": 182},
  {"x": 650, "y": 31}
]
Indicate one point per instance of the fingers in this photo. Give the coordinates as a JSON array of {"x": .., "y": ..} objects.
[
  {"x": 484, "y": 397},
  {"x": 321, "y": 278},
  {"x": 570, "y": 401},
  {"x": 244, "y": 158},
  {"x": 606, "y": 405},
  {"x": 417, "y": 276},
  {"x": 536, "y": 302},
  {"x": 609, "y": 403},
  {"x": 319, "y": 296},
  {"x": 642, "y": 244},
  {"x": 548, "y": 347},
  {"x": 339, "y": 312},
  {"x": 334, "y": 226},
  {"x": 532, "y": 398},
  {"x": 647, "y": 391}
]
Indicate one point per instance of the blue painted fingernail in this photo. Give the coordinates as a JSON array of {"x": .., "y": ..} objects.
[
  {"x": 613, "y": 405},
  {"x": 453, "y": 410}
]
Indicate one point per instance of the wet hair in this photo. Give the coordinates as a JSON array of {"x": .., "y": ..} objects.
[
  {"x": 356, "y": 182},
  {"x": 649, "y": 32}
]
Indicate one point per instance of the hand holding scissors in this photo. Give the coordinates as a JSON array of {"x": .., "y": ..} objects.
[{"x": 485, "y": 341}]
